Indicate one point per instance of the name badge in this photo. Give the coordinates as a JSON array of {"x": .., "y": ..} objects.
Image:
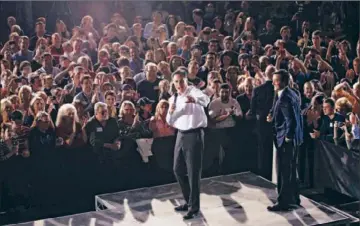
[
  {"x": 331, "y": 124},
  {"x": 99, "y": 129},
  {"x": 156, "y": 87}
]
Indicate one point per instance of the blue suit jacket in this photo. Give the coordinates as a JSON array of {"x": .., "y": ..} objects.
[{"x": 287, "y": 118}]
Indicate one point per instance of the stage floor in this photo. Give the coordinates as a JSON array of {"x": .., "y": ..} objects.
[{"x": 239, "y": 199}]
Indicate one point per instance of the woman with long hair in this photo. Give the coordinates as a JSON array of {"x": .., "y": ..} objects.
[
  {"x": 171, "y": 22},
  {"x": 159, "y": 55},
  {"x": 179, "y": 31},
  {"x": 62, "y": 30},
  {"x": 68, "y": 128},
  {"x": 25, "y": 96},
  {"x": 126, "y": 120},
  {"x": 37, "y": 105},
  {"x": 158, "y": 124}
]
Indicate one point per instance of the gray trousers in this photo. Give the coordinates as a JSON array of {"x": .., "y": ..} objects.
[{"x": 189, "y": 148}]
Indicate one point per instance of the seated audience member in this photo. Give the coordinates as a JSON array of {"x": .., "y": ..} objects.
[
  {"x": 158, "y": 124},
  {"x": 102, "y": 132},
  {"x": 326, "y": 131},
  {"x": 68, "y": 128}
]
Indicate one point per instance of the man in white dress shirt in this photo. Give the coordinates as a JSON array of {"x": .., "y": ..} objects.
[{"x": 187, "y": 115}]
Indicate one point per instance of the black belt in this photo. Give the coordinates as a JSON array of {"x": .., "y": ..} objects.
[{"x": 191, "y": 130}]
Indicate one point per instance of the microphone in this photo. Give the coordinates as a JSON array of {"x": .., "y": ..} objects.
[{"x": 175, "y": 97}]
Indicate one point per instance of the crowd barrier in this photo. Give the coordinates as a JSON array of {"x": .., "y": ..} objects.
[
  {"x": 65, "y": 176},
  {"x": 337, "y": 168}
]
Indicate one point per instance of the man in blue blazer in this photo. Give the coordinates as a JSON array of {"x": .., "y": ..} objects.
[{"x": 287, "y": 122}]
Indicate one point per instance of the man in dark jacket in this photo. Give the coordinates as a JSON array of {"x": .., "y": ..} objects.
[
  {"x": 287, "y": 121},
  {"x": 261, "y": 103}
]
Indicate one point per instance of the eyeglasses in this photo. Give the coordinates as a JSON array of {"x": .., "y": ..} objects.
[
  {"x": 44, "y": 121},
  {"x": 103, "y": 112}
]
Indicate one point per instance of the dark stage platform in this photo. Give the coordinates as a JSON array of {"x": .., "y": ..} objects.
[{"x": 239, "y": 199}]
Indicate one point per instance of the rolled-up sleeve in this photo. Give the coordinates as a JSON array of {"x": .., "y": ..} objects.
[{"x": 200, "y": 98}]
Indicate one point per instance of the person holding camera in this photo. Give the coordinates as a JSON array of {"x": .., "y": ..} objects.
[{"x": 329, "y": 121}]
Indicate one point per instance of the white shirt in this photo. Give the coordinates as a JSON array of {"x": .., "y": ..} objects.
[
  {"x": 148, "y": 31},
  {"x": 189, "y": 116},
  {"x": 217, "y": 108},
  {"x": 279, "y": 93}
]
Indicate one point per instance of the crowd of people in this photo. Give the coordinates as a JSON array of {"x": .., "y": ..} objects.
[{"x": 104, "y": 88}]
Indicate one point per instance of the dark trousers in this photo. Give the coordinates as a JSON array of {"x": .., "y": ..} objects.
[
  {"x": 306, "y": 162},
  {"x": 265, "y": 149},
  {"x": 230, "y": 159},
  {"x": 288, "y": 189},
  {"x": 188, "y": 153}
]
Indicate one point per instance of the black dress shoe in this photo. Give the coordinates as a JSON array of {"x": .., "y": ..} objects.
[
  {"x": 182, "y": 208},
  {"x": 278, "y": 208},
  {"x": 190, "y": 215}
]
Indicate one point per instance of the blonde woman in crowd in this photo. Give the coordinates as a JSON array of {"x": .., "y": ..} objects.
[
  {"x": 158, "y": 124},
  {"x": 68, "y": 128}
]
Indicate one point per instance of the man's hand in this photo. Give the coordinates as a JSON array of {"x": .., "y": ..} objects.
[
  {"x": 190, "y": 99},
  {"x": 331, "y": 44},
  {"x": 269, "y": 118},
  {"x": 288, "y": 140},
  {"x": 115, "y": 146},
  {"x": 315, "y": 134},
  {"x": 172, "y": 108}
]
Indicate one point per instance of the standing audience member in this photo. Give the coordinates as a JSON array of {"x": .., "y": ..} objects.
[{"x": 287, "y": 120}]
